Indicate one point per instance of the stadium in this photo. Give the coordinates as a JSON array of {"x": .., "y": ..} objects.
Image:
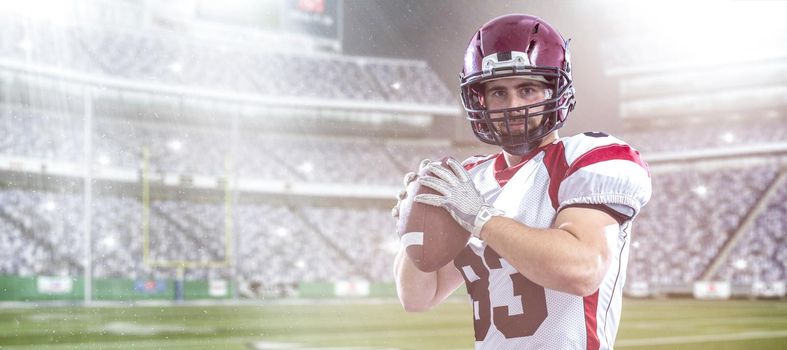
[{"x": 220, "y": 175}]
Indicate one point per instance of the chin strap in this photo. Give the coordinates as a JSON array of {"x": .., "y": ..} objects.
[{"x": 521, "y": 150}]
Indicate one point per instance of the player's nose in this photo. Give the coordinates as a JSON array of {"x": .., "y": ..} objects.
[
  {"x": 515, "y": 102},
  {"x": 518, "y": 101}
]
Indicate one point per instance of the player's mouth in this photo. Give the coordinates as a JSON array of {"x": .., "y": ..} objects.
[
  {"x": 513, "y": 129},
  {"x": 519, "y": 124}
]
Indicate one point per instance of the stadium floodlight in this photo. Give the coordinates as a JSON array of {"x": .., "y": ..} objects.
[
  {"x": 306, "y": 167},
  {"x": 175, "y": 145},
  {"x": 55, "y": 10},
  {"x": 740, "y": 264},
  {"x": 25, "y": 44},
  {"x": 176, "y": 67},
  {"x": 693, "y": 38},
  {"x": 109, "y": 242},
  {"x": 391, "y": 246},
  {"x": 104, "y": 159},
  {"x": 50, "y": 205}
]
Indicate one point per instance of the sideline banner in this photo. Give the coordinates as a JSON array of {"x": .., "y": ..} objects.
[
  {"x": 768, "y": 289},
  {"x": 218, "y": 288},
  {"x": 712, "y": 290},
  {"x": 351, "y": 288},
  {"x": 54, "y": 285},
  {"x": 150, "y": 286}
]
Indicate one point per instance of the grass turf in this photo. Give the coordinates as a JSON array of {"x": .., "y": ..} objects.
[{"x": 646, "y": 324}]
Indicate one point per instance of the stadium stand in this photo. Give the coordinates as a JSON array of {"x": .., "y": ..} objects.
[
  {"x": 706, "y": 216},
  {"x": 163, "y": 57},
  {"x": 693, "y": 212},
  {"x": 40, "y": 226},
  {"x": 276, "y": 244},
  {"x": 715, "y": 135},
  {"x": 760, "y": 255},
  {"x": 42, "y": 135},
  {"x": 690, "y": 216}
]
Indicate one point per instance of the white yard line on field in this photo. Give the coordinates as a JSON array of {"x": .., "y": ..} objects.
[{"x": 624, "y": 343}]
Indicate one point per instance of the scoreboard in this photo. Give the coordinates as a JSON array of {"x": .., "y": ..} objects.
[{"x": 317, "y": 18}]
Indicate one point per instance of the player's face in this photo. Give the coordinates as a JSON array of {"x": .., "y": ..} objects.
[{"x": 515, "y": 92}]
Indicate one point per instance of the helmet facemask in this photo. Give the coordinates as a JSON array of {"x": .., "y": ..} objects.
[{"x": 494, "y": 126}]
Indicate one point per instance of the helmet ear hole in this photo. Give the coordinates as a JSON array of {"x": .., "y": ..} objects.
[{"x": 477, "y": 92}]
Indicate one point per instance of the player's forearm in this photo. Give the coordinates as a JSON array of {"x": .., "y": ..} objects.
[
  {"x": 553, "y": 258},
  {"x": 416, "y": 289}
]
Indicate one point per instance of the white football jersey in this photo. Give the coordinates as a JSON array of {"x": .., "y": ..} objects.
[{"x": 511, "y": 312}]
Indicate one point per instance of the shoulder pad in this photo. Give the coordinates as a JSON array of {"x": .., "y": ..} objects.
[{"x": 577, "y": 145}]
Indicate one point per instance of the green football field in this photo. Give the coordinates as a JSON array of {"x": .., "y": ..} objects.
[{"x": 646, "y": 324}]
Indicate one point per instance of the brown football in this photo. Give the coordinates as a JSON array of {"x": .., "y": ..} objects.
[{"x": 431, "y": 236}]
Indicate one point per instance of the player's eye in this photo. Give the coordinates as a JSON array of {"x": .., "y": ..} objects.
[
  {"x": 528, "y": 92},
  {"x": 498, "y": 93}
]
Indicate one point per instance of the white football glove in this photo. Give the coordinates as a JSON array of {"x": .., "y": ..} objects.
[
  {"x": 408, "y": 178},
  {"x": 459, "y": 196}
]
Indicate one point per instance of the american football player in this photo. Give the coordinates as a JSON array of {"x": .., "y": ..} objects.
[{"x": 550, "y": 216}]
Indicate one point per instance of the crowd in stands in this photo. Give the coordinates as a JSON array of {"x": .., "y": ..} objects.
[
  {"x": 761, "y": 255},
  {"x": 276, "y": 244},
  {"x": 196, "y": 150},
  {"x": 689, "y": 219},
  {"x": 44, "y": 136},
  {"x": 172, "y": 59},
  {"x": 691, "y": 215},
  {"x": 40, "y": 233},
  {"x": 693, "y": 212},
  {"x": 716, "y": 135}
]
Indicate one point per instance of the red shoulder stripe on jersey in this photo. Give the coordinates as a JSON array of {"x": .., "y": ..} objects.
[
  {"x": 469, "y": 166},
  {"x": 591, "y": 304},
  {"x": 555, "y": 162},
  {"x": 607, "y": 152}
]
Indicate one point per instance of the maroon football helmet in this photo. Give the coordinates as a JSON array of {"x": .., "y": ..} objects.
[{"x": 517, "y": 45}]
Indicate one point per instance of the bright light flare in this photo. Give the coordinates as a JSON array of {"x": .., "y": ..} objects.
[
  {"x": 54, "y": 10},
  {"x": 728, "y": 137},
  {"x": 176, "y": 67},
  {"x": 104, "y": 160},
  {"x": 701, "y": 190},
  {"x": 702, "y": 32},
  {"x": 109, "y": 242},
  {"x": 306, "y": 167},
  {"x": 740, "y": 264},
  {"x": 175, "y": 145},
  {"x": 25, "y": 44},
  {"x": 50, "y": 205}
]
